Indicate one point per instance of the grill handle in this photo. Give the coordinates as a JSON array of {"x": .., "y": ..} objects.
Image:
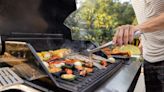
[{"x": 17, "y": 36}]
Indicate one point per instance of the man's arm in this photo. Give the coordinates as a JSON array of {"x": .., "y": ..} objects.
[
  {"x": 125, "y": 33},
  {"x": 153, "y": 24}
]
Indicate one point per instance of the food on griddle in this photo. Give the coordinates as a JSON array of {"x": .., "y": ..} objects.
[
  {"x": 68, "y": 76},
  {"x": 83, "y": 72},
  {"x": 55, "y": 70},
  {"x": 45, "y": 55},
  {"x": 104, "y": 63},
  {"x": 70, "y": 61},
  {"x": 134, "y": 50},
  {"x": 63, "y": 63},
  {"x": 98, "y": 65},
  {"x": 77, "y": 63},
  {"x": 89, "y": 70},
  {"x": 86, "y": 59},
  {"x": 79, "y": 67},
  {"x": 107, "y": 51},
  {"x": 57, "y": 64},
  {"x": 53, "y": 58},
  {"x": 61, "y": 52},
  {"x": 70, "y": 66},
  {"x": 111, "y": 60},
  {"x": 116, "y": 51},
  {"x": 68, "y": 71},
  {"x": 89, "y": 64},
  {"x": 40, "y": 56},
  {"x": 79, "y": 57},
  {"x": 52, "y": 55}
]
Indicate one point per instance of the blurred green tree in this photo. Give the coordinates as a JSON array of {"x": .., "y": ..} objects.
[{"x": 96, "y": 20}]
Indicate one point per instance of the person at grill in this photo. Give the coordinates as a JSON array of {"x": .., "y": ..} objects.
[{"x": 150, "y": 16}]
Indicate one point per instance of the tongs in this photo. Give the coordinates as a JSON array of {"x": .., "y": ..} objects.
[{"x": 110, "y": 43}]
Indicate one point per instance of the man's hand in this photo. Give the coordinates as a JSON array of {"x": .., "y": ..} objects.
[{"x": 124, "y": 34}]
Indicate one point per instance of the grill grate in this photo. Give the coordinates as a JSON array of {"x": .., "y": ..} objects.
[
  {"x": 90, "y": 82},
  {"x": 80, "y": 84},
  {"x": 8, "y": 78}
]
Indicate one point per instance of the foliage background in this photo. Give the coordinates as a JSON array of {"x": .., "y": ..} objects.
[{"x": 96, "y": 20}]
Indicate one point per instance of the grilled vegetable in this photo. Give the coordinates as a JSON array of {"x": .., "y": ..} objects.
[
  {"x": 104, "y": 63},
  {"x": 70, "y": 66},
  {"x": 134, "y": 50},
  {"x": 116, "y": 51},
  {"x": 69, "y": 71},
  {"x": 107, "y": 51},
  {"x": 89, "y": 70},
  {"x": 79, "y": 57},
  {"x": 46, "y": 55},
  {"x": 89, "y": 64},
  {"x": 69, "y": 61},
  {"x": 79, "y": 67},
  {"x": 53, "y": 58},
  {"x": 111, "y": 60},
  {"x": 54, "y": 70},
  {"x": 98, "y": 65},
  {"x": 96, "y": 57},
  {"x": 61, "y": 52},
  {"x": 40, "y": 56},
  {"x": 57, "y": 64},
  {"x": 78, "y": 63},
  {"x": 68, "y": 76},
  {"x": 83, "y": 72}
]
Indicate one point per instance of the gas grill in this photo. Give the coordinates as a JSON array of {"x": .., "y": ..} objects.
[
  {"x": 19, "y": 47},
  {"x": 33, "y": 43}
]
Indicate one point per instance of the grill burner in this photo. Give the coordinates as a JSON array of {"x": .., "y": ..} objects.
[{"x": 8, "y": 78}]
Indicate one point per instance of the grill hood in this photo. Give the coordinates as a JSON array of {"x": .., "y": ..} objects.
[{"x": 35, "y": 16}]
